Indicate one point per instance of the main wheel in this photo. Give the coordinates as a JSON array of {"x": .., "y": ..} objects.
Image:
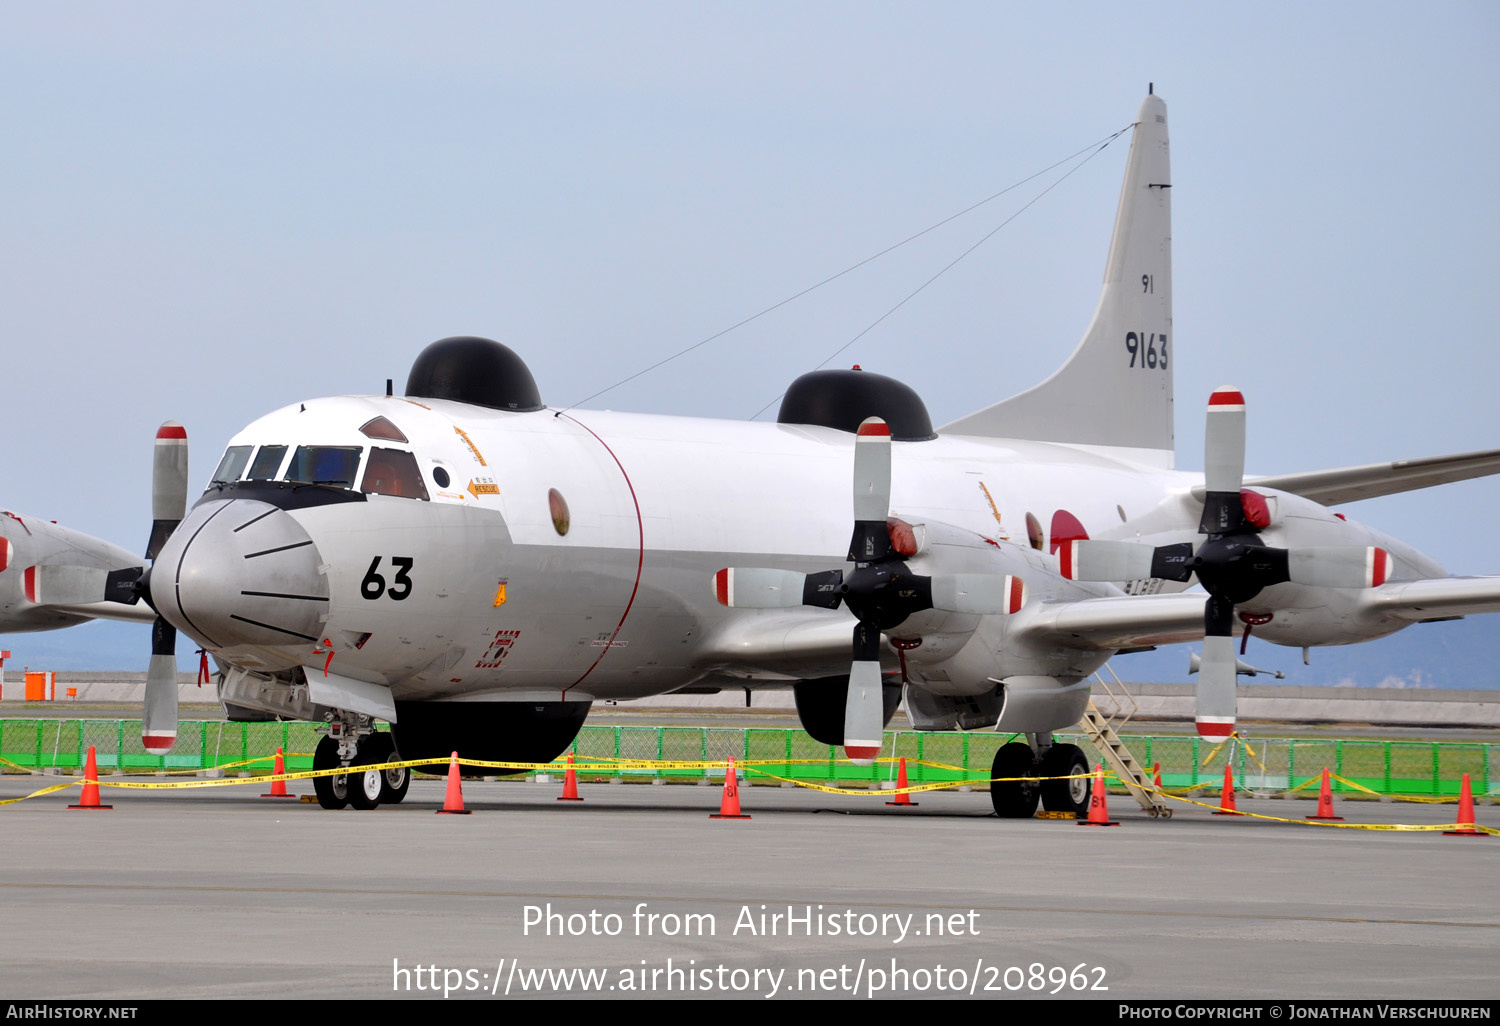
[
  {"x": 365, "y": 785},
  {"x": 1065, "y": 795},
  {"x": 394, "y": 783},
  {"x": 332, "y": 791},
  {"x": 1014, "y": 799}
]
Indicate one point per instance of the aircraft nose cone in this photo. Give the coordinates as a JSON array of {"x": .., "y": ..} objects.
[{"x": 241, "y": 572}]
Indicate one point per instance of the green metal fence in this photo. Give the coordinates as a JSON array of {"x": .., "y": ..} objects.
[{"x": 1431, "y": 768}]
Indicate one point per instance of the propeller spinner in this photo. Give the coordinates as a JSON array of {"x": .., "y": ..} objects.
[
  {"x": 1231, "y": 564},
  {"x": 881, "y": 591}
]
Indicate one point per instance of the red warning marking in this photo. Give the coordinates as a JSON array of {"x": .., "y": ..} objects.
[
  {"x": 1227, "y": 397},
  {"x": 171, "y": 431},
  {"x": 721, "y": 586},
  {"x": 1066, "y": 528},
  {"x": 4, "y": 553},
  {"x": 1017, "y": 594},
  {"x": 874, "y": 428},
  {"x": 28, "y": 583},
  {"x": 1380, "y": 566}
]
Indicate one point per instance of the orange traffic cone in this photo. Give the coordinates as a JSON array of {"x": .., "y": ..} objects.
[
  {"x": 1226, "y": 803},
  {"x": 90, "y": 797},
  {"x": 278, "y": 787},
  {"x": 1325, "y": 800},
  {"x": 570, "y": 784},
  {"x": 453, "y": 800},
  {"x": 1465, "y": 822},
  {"x": 729, "y": 806},
  {"x": 1156, "y": 775},
  {"x": 903, "y": 798},
  {"x": 1098, "y": 809}
]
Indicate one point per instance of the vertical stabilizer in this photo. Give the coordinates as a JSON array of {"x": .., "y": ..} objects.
[{"x": 1116, "y": 388}]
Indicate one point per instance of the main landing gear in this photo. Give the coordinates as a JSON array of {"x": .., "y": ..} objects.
[
  {"x": 1018, "y": 799},
  {"x": 363, "y": 789}
]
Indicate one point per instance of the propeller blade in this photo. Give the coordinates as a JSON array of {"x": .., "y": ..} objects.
[
  {"x": 159, "y": 721},
  {"x": 169, "y": 471},
  {"x": 1216, "y": 675},
  {"x": 1105, "y": 560},
  {"x": 1339, "y": 567},
  {"x": 1124, "y": 561},
  {"x": 1223, "y": 462},
  {"x": 757, "y": 588},
  {"x": 872, "y": 492},
  {"x": 978, "y": 593},
  {"x": 50, "y": 585},
  {"x": 864, "y": 711}
]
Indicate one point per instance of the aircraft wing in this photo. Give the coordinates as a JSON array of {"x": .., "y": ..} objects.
[
  {"x": 1112, "y": 623},
  {"x": 1347, "y": 484},
  {"x": 1433, "y": 599}
]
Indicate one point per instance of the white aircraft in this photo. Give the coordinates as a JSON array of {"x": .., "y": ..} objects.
[{"x": 477, "y": 568}]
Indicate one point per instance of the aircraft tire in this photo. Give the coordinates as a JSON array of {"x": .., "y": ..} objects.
[
  {"x": 394, "y": 783},
  {"x": 1065, "y": 795},
  {"x": 1014, "y": 800},
  {"x": 332, "y": 792},
  {"x": 365, "y": 786}
]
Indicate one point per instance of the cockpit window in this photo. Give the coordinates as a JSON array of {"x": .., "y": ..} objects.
[
  {"x": 335, "y": 465},
  {"x": 232, "y": 465},
  {"x": 267, "y": 462},
  {"x": 379, "y": 427},
  {"x": 393, "y": 472}
]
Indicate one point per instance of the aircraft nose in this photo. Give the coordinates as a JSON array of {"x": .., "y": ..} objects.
[{"x": 241, "y": 572}]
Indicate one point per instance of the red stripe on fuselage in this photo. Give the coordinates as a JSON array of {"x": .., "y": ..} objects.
[{"x": 640, "y": 560}]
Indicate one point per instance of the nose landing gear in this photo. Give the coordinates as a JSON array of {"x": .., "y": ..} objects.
[{"x": 360, "y": 788}]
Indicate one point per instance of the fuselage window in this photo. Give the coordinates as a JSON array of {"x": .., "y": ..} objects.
[
  {"x": 267, "y": 462},
  {"x": 393, "y": 472},
  {"x": 336, "y": 465},
  {"x": 232, "y": 465}
]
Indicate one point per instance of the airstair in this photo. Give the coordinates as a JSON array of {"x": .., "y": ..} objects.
[{"x": 1103, "y": 729}]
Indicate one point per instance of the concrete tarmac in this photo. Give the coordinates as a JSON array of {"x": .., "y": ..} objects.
[{"x": 218, "y": 893}]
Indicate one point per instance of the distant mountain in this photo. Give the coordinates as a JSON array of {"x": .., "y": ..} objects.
[{"x": 1452, "y": 654}]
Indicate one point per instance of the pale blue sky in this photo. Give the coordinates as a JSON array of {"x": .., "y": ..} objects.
[{"x": 214, "y": 210}]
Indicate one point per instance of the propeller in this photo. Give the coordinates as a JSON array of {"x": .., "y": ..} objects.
[
  {"x": 169, "y": 469},
  {"x": 1231, "y": 564},
  {"x": 881, "y": 591}
]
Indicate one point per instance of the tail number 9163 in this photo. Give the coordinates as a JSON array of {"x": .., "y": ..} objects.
[
  {"x": 1147, "y": 350},
  {"x": 374, "y": 584}
]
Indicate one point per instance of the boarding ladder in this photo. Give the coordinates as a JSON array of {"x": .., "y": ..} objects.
[{"x": 1103, "y": 729}]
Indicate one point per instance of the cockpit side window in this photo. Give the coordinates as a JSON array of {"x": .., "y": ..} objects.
[
  {"x": 335, "y": 465},
  {"x": 232, "y": 465},
  {"x": 267, "y": 462},
  {"x": 393, "y": 472}
]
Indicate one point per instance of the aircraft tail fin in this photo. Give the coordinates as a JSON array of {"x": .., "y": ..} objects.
[{"x": 1116, "y": 388}]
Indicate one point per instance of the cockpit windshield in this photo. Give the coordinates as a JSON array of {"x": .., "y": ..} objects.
[
  {"x": 232, "y": 465},
  {"x": 335, "y": 465},
  {"x": 393, "y": 472}
]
